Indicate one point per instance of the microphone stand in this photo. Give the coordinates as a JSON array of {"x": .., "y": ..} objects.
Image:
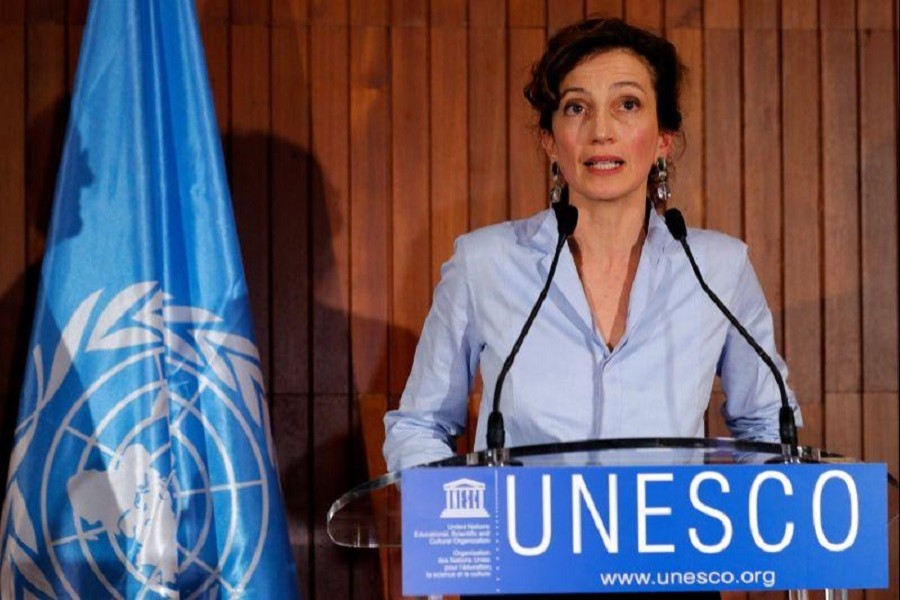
[
  {"x": 787, "y": 426},
  {"x": 566, "y": 220}
]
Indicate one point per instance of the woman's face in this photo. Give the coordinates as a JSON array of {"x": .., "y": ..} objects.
[{"x": 605, "y": 132}]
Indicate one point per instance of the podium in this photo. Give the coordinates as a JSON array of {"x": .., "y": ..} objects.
[{"x": 371, "y": 515}]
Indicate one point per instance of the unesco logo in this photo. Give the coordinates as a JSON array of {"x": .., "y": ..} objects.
[{"x": 464, "y": 499}]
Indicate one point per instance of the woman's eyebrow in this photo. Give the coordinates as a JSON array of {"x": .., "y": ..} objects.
[
  {"x": 571, "y": 90},
  {"x": 616, "y": 85},
  {"x": 626, "y": 83}
]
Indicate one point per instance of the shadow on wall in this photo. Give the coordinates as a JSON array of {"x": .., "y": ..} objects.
[
  {"x": 325, "y": 444},
  {"x": 45, "y": 136}
]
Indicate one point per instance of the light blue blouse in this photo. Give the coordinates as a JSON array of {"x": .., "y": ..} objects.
[{"x": 566, "y": 384}]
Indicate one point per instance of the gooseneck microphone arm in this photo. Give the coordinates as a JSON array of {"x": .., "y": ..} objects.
[
  {"x": 787, "y": 427},
  {"x": 566, "y": 219}
]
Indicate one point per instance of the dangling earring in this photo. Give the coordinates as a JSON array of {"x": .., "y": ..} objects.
[
  {"x": 556, "y": 187},
  {"x": 663, "y": 193}
]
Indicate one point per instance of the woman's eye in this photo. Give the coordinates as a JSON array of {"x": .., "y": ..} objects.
[
  {"x": 631, "y": 104},
  {"x": 573, "y": 109}
]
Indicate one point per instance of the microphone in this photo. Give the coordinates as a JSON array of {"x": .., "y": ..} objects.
[
  {"x": 566, "y": 220},
  {"x": 787, "y": 427}
]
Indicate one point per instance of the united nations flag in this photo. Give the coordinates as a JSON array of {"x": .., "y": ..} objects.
[{"x": 142, "y": 463}]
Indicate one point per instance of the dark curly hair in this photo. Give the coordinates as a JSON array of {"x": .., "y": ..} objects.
[{"x": 572, "y": 45}]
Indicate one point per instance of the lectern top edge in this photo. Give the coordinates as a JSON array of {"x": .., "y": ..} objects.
[{"x": 369, "y": 514}]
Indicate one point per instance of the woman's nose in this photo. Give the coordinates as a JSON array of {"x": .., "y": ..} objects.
[{"x": 601, "y": 128}]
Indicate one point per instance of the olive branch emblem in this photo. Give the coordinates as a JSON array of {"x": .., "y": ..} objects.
[{"x": 141, "y": 316}]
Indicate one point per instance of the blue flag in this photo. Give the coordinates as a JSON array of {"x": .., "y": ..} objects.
[{"x": 142, "y": 463}]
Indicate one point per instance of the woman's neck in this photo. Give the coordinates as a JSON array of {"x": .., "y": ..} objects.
[{"x": 609, "y": 230}]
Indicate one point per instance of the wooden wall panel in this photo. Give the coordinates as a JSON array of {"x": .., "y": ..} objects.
[
  {"x": 290, "y": 210},
  {"x": 214, "y": 11},
  {"x": 332, "y": 440},
  {"x": 290, "y": 12},
  {"x": 370, "y": 209},
  {"x": 878, "y": 220},
  {"x": 12, "y": 12},
  {"x": 527, "y": 13},
  {"x": 290, "y": 415},
  {"x": 723, "y": 105},
  {"x": 762, "y": 149},
  {"x": 14, "y": 294},
  {"x": 290, "y": 383},
  {"x": 46, "y": 112},
  {"x": 74, "y": 30},
  {"x": 878, "y": 197},
  {"x": 449, "y": 161},
  {"x": 12, "y": 205},
  {"x": 332, "y": 455},
  {"x": 77, "y": 11},
  {"x": 216, "y": 41},
  {"x": 646, "y": 14},
  {"x": 250, "y": 13},
  {"x": 46, "y": 11},
  {"x": 840, "y": 181},
  {"x": 362, "y": 137},
  {"x": 604, "y": 8},
  {"x": 488, "y": 156},
  {"x": 370, "y": 13},
  {"x": 410, "y": 176},
  {"x": 802, "y": 247},
  {"x": 563, "y": 12},
  {"x": 528, "y": 171},
  {"x": 370, "y": 152},
  {"x": 330, "y": 194},
  {"x": 843, "y": 423},
  {"x": 684, "y": 27}
]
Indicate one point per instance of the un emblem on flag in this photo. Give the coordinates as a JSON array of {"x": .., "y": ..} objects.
[{"x": 147, "y": 453}]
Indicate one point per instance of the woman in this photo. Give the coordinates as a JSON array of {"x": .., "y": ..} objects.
[{"x": 626, "y": 344}]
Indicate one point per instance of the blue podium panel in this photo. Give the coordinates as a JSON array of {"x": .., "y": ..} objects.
[{"x": 676, "y": 528}]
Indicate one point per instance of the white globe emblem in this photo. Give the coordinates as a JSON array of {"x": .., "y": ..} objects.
[{"x": 155, "y": 475}]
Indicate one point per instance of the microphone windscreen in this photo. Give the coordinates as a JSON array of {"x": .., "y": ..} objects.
[
  {"x": 566, "y": 218},
  {"x": 675, "y": 224}
]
